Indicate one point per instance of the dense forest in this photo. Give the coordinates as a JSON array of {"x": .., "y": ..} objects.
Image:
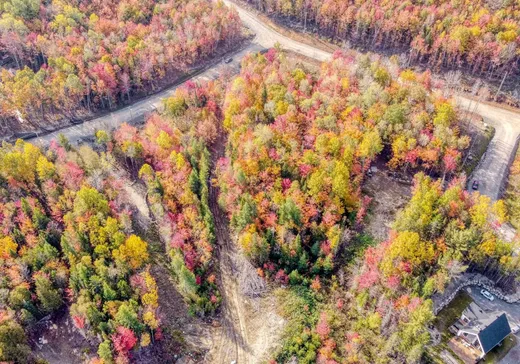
[
  {"x": 482, "y": 36},
  {"x": 64, "y": 56},
  {"x": 281, "y": 151},
  {"x": 66, "y": 238},
  {"x": 299, "y": 146},
  {"x": 381, "y": 314},
  {"x": 171, "y": 156}
]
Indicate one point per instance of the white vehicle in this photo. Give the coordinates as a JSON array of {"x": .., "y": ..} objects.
[{"x": 488, "y": 295}]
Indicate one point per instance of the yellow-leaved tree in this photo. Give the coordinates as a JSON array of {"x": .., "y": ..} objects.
[{"x": 134, "y": 252}]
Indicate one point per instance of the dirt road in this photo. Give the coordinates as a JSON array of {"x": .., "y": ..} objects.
[
  {"x": 231, "y": 345},
  {"x": 492, "y": 171},
  {"x": 251, "y": 327}
]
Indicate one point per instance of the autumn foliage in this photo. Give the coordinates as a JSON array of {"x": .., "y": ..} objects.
[
  {"x": 66, "y": 238},
  {"x": 93, "y": 54},
  {"x": 172, "y": 158},
  {"x": 381, "y": 315},
  {"x": 300, "y": 144},
  {"x": 482, "y": 35}
]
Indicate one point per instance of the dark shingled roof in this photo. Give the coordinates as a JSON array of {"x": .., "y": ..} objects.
[{"x": 492, "y": 335}]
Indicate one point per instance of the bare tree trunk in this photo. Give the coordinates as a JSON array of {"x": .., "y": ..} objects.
[
  {"x": 17, "y": 60},
  {"x": 305, "y": 21},
  {"x": 88, "y": 96}
]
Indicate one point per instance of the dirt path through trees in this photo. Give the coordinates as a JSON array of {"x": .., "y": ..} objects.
[
  {"x": 251, "y": 327},
  {"x": 231, "y": 345}
]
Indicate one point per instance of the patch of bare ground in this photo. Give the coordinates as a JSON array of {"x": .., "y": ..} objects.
[
  {"x": 390, "y": 192},
  {"x": 265, "y": 327},
  {"x": 299, "y": 59},
  {"x": 135, "y": 194},
  {"x": 250, "y": 328},
  {"x": 388, "y": 197},
  {"x": 56, "y": 340},
  {"x": 186, "y": 338}
]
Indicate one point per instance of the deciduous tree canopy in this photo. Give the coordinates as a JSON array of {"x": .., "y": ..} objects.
[
  {"x": 172, "y": 158},
  {"x": 73, "y": 54},
  {"x": 299, "y": 145},
  {"x": 381, "y": 316},
  {"x": 65, "y": 237},
  {"x": 481, "y": 34}
]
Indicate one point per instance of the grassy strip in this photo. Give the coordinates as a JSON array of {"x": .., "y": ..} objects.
[
  {"x": 452, "y": 312},
  {"x": 499, "y": 352},
  {"x": 512, "y": 194},
  {"x": 478, "y": 149}
]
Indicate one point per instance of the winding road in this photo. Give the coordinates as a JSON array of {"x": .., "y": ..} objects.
[
  {"x": 493, "y": 169},
  {"x": 232, "y": 346},
  {"x": 491, "y": 172}
]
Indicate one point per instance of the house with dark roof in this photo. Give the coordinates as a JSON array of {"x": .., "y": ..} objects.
[{"x": 481, "y": 330}]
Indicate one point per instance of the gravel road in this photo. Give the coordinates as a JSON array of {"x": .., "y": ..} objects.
[{"x": 491, "y": 172}]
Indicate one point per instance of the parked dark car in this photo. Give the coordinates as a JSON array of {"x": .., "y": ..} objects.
[
  {"x": 76, "y": 121},
  {"x": 229, "y": 60},
  {"x": 475, "y": 185},
  {"x": 24, "y": 135},
  {"x": 86, "y": 140}
]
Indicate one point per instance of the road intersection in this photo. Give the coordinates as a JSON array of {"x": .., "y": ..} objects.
[{"x": 492, "y": 171}]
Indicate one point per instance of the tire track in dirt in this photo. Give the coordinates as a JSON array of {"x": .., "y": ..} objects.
[{"x": 231, "y": 345}]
